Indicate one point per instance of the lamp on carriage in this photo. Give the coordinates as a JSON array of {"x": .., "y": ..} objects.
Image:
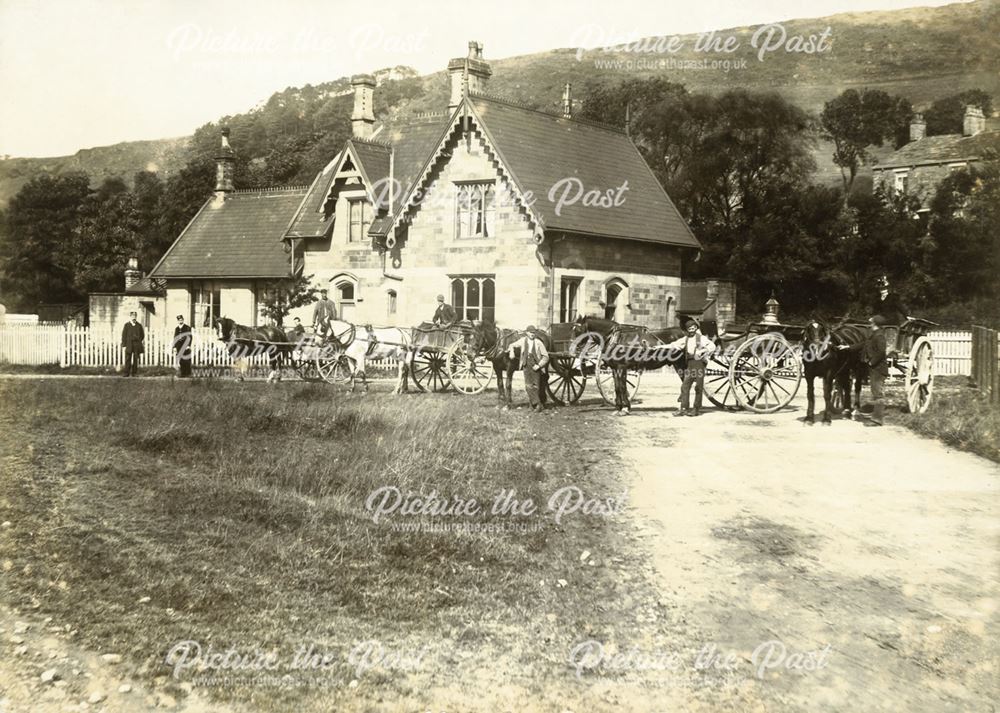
[{"x": 771, "y": 310}]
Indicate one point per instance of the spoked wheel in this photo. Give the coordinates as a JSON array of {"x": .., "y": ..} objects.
[
  {"x": 333, "y": 366},
  {"x": 429, "y": 370},
  {"x": 718, "y": 387},
  {"x": 606, "y": 381},
  {"x": 919, "y": 379},
  {"x": 765, "y": 373},
  {"x": 468, "y": 374},
  {"x": 566, "y": 379},
  {"x": 306, "y": 369}
]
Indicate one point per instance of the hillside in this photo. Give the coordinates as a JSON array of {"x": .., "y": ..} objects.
[{"x": 920, "y": 53}]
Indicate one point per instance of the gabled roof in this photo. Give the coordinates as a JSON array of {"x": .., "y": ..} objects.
[
  {"x": 237, "y": 237},
  {"x": 942, "y": 149},
  {"x": 311, "y": 221}
]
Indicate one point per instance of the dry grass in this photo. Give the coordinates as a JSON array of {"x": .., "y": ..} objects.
[
  {"x": 239, "y": 510},
  {"x": 961, "y": 417}
]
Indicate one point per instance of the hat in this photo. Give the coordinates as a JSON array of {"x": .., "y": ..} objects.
[
  {"x": 530, "y": 329},
  {"x": 323, "y": 291},
  {"x": 878, "y": 319},
  {"x": 180, "y": 317},
  {"x": 687, "y": 319},
  {"x": 440, "y": 298}
]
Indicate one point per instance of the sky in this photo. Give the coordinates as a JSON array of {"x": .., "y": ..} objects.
[{"x": 81, "y": 73}]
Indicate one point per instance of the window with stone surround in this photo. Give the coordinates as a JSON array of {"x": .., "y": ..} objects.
[
  {"x": 569, "y": 298},
  {"x": 207, "y": 303},
  {"x": 475, "y": 209},
  {"x": 474, "y": 297},
  {"x": 359, "y": 215},
  {"x": 900, "y": 180}
]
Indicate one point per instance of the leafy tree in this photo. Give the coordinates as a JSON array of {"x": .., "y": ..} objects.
[
  {"x": 855, "y": 121},
  {"x": 40, "y": 222},
  {"x": 282, "y": 296},
  {"x": 184, "y": 193},
  {"x": 947, "y": 115}
]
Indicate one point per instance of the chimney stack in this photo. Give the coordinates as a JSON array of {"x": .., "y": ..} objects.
[
  {"x": 974, "y": 122},
  {"x": 225, "y": 163},
  {"x": 468, "y": 74},
  {"x": 363, "y": 116},
  {"x": 132, "y": 273},
  {"x": 567, "y": 101},
  {"x": 918, "y": 127}
]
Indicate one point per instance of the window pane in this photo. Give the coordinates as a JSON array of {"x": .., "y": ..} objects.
[
  {"x": 489, "y": 300},
  {"x": 346, "y": 291},
  {"x": 458, "y": 295},
  {"x": 473, "y": 297}
]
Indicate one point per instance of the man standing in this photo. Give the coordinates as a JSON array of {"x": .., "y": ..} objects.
[
  {"x": 696, "y": 350},
  {"x": 182, "y": 346},
  {"x": 444, "y": 315},
  {"x": 874, "y": 356},
  {"x": 134, "y": 340},
  {"x": 534, "y": 359},
  {"x": 323, "y": 314}
]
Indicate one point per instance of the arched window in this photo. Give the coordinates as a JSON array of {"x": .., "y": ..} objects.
[
  {"x": 345, "y": 296},
  {"x": 615, "y": 299}
]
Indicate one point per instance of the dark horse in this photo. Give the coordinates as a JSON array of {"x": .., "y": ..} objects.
[
  {"x": 624, "y": 347},
  {"x": 243, "y": 342},
  {"x": 822, "y": 358},
  {"x": 494, "y": 343}
]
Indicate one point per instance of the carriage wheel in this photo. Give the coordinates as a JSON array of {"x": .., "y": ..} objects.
[
  {"x": 334, "y": 367},
  {"x": 470, "y": 375},
  {"x": 765, "y": 373},
  {"x": 606, "y": 381},
  {"x": 919, "y": 378},
  {"x": 718, "y": 387},
  {"x": 306, "y": 369},
  {"x": 566, "y": 379},
  {"x": 429, "y": 370}
]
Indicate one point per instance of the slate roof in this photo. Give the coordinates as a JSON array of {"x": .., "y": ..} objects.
[
  {"x": 146, "y": 286},
  {"x": 542, "y": 149},
  {"x": 239, "y": 237},
  {"x": 942, "y": 149}
]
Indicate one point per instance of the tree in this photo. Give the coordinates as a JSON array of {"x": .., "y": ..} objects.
[
  {"x": 40, "y": 221},
  {"x": 282, "y": 296},
  {"x": 855, "y": 121},
  {"x": 947, "y": 115}
]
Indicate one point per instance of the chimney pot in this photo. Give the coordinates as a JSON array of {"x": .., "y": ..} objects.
[
  {"x": 132, "y": 273},
  {"x": 974, "y": 121},
  {"x": 567, "y": 101},
  {"x": 918, "y": 127},
  {"x": 363, "y": 116},
  {"x": 468, "y": 74},
  {"x": 225, "y": 163}
]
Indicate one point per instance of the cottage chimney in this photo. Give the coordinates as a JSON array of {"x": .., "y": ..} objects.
[
  {"x": 468, "y": 74},
  {"x": 132, "y": 273},
  {"x": 567, "y": 101},
  {"x": 363, "y": 116},
  {"x": 225, "y": 163},
  {"x": 974, "y": 122},
  {"x": 918, "y": 127}
]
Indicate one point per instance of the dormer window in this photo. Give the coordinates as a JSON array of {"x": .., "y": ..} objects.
[
  {"x": 475, "y": 209},
  {"x": 359, "y": 219}
]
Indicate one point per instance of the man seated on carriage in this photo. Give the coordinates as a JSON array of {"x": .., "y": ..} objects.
[
  {"x": 324, "y": 312},
  {"x": 444, "y": 315},
  {"x": 695, "y": 348},
  {"x": 891, "y": 309}
]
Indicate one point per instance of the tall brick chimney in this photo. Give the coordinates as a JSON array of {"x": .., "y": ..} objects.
[
  {"x": 132, "y": 273},
  {"x": 918, "y": 127},
  {"x": 363, "y": 116},
  {"x": 225, "y": 163},
  {"x": 974, "y": 122},
  {"x": 567, "y": 101},
  {"x": 468, "y": 74}
]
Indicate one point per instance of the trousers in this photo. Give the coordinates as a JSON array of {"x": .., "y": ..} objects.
[{"x": 693, "y": 375}]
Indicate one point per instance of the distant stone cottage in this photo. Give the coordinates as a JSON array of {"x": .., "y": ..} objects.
[{"x": 513, "y": 214}]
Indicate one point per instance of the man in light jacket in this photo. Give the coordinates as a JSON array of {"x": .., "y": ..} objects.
[
  {"x": 534, "y": 359},
  {"x": 695, "y": 349}
]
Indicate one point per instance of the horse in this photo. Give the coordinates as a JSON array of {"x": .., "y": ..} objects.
[
  {"x": 494, "y": 343},
  {"x": 835, "y": 366},
  {"x": 243, "y": 342},
  {"x": 625, "y": 347},
  {"x": 366, "y": 342}
]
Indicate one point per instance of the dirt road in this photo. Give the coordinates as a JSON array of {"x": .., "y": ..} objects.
[{"x": 872, "y": 541}]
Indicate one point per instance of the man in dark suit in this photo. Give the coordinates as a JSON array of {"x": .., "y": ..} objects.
[
  {"x": 134, "y": 341},
  {"x": 444, "y": 315},
  {"x": 874, "y": 355},
  {"x": 182, "y": 346}
]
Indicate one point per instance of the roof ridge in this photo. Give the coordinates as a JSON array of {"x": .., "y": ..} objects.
[
  {"x": 245, "y": 191},
  {"x": 520, "y": 105},
  {"x": 372, "y": 142}
]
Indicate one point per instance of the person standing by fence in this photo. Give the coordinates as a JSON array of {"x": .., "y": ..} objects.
[
  {"x": 182, "y": 345},
  {"x": 134, "y": 342}
]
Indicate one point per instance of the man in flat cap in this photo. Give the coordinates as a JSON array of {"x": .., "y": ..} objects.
[
  {"x": 444, "y": 315},
  {"x": 695, "y": 349},
  {"x": 533, "y": 361},
  {"x": 324, "y": 312}
]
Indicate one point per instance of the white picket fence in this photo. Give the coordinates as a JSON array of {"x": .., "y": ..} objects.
[{"x": 83, "y": 346}]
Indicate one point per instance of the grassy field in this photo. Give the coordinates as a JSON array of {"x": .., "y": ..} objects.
[
  {"x": 239, "y": 510},
  {"x": 960, "y": 417}
]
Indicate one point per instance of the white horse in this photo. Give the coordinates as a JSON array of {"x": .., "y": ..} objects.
[{"x": 362, "y": 343}]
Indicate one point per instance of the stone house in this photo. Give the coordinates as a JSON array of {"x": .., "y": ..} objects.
[
  {"x": 512, "y": 214},
  {"x": 142, "y": 295},
  {"x": 919, "y": 166}
]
